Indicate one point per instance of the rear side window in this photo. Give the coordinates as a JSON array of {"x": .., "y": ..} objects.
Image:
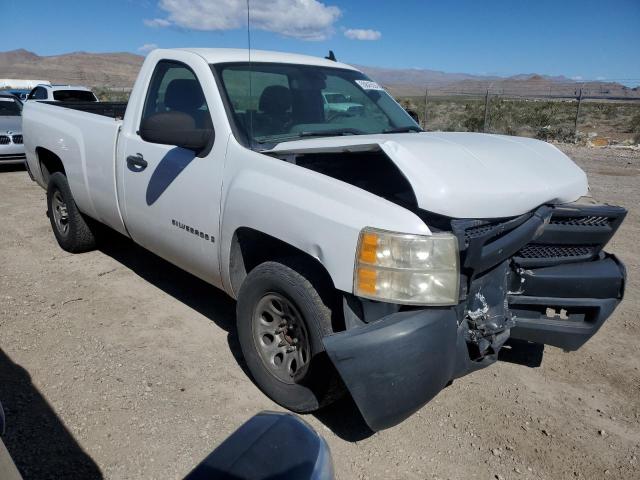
[
  {"x": 175, "y": 88},
  {"x": 38, "y": 93},
  {"x": 74, "y": 96}
]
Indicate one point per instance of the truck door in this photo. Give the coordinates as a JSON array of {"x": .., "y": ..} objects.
[{"x": 171, "y": 197}]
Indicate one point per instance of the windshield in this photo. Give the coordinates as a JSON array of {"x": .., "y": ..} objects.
[
  {"x": 74, "y": 96},
  {"x": 272, "y": 103},
  {"x": 10, "y": 107}
]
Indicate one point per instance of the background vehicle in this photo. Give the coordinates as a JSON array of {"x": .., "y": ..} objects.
[
  {"x": 362, "y": 251},
  {"x": 338, "y": 102},
  {"x": 62, "y": 93},
  {"x": 21, "y": 94},
  {"x": 11, "y": 143}
]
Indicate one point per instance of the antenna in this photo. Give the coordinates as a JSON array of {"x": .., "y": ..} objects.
[
  {"x": 331, "y": 55},
  {"x": 249, "y": 109},
  {"x": 249, "y": 29}
]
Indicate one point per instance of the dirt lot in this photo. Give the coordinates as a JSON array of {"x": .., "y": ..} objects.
[{"x": 115, "y": 364}]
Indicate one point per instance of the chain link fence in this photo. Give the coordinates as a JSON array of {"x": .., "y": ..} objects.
[{"x": 578, "y": 118}]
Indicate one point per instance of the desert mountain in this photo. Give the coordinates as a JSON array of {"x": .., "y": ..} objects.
[
  {"x": 92, "y": 69},
  {"x": 120, "y": 70}
]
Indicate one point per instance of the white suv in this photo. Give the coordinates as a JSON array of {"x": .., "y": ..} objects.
[{"x": 62, "y": 93}]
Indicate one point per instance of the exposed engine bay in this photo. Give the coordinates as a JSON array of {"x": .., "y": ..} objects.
[{"x": 372, "y": 171}]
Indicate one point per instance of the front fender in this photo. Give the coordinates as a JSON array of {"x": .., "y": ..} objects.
[{"x": 308, "y": 210}]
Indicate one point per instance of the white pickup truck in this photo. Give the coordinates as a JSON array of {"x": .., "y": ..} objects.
[{"x": 365, "y": 255}]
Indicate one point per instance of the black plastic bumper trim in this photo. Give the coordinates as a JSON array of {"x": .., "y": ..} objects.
[
  {"x": 396, "y": 365},
  {"x": 597, "y": 279},
  {"x": 569, "y": 333}
]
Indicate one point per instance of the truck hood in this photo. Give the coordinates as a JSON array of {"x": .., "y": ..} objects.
[
  {"x": 10, "y": 124},
  {"x": 468, "y": 175}
]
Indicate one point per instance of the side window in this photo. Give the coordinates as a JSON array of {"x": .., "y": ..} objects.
[
  {"x": 175, "y": 88},
  {"x": 38, "y": 93}
]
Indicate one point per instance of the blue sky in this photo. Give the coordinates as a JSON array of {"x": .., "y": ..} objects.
[{"x": 579, "y": 39}]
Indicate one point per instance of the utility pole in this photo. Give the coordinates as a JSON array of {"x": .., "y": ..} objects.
[
  {"x": 486, "y": 111},
  {"x": 426, "y": 104},
  {"x": 575, "y": 129}
]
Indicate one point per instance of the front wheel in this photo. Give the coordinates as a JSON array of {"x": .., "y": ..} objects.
[
  {"x": 70, "y": 227},
  {"x": 282, "y": 318}
]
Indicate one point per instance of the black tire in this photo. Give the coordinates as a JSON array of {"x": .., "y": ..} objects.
[
  {"x": 70, "y": 227},
  {"x": 318, "y": 383}
]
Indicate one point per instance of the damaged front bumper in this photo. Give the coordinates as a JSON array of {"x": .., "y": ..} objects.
[{"x": 394, "y": 362}]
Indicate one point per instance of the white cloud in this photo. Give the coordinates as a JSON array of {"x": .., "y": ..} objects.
[
  {"x": 362, "y": 34},
  {"x": 147, "y": 47},
  {"x": 577, "y": 78},
  {"x": 303, "y": 19},
  {"x": 156, "y": 22}
]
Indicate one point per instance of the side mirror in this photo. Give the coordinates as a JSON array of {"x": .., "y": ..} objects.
[
  {"x": 413, "y": 114},
  {"x": 176, "y": 128}
]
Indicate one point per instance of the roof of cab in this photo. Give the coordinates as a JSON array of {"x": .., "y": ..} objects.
[
  {"x": 227, "y": 55},
  {"x": 65, "y": 87}
]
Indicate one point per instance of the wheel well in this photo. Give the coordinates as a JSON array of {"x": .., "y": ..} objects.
[
  {"x": 250, "y": 248},
  {"x": 49, "y": 163}
]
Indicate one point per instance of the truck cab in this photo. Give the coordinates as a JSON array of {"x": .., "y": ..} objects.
[
  {"x": 366, "y": 255},
  {"x": 62, "y": 93}
]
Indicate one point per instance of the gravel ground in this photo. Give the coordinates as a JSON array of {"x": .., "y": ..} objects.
[{"x": 115, "y": 364}]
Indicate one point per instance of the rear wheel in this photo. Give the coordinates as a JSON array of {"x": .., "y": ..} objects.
[
  {"x": 70, "y": 227},
  {"x": 283, "y": 313}
]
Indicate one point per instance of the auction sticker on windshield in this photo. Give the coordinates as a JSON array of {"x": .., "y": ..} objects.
[{"x": 369, "y": 85}]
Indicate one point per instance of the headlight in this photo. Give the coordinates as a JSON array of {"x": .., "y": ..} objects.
[{"x": 407, "y": 269}]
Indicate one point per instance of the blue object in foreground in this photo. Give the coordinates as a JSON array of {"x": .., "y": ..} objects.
[{"x": 269, "y": 446}]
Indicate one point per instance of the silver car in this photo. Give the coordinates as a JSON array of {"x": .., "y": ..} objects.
[{"x": 11, "y": 144}]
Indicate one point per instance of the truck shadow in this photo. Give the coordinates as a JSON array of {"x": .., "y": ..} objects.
[
  {"x": 343, "y": 418},
  {"x": 522, "y": 352},
  {"x": 205, "y": 299},
  {"x": 171, "y": 165},
  {"x": 37, "y": 439}
]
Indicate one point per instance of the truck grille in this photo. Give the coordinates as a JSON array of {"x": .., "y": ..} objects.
[
  {"x": 554, "y": 251},
  {"x": 571, "y": 233},
  {"x": 589, "y": 221},
  {"x": 479, "y": 231},
  {"x": 17, "y": 139},
  {"x": 4, "y": 140}
]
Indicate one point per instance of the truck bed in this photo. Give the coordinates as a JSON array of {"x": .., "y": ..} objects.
[
  {"x": 107, "y": 109},
  {"x": 85, "y": 135}
]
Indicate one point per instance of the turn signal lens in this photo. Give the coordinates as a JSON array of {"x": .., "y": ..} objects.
[
  {"x": 367, "y": 279},
  {"x": 407, "y": 269},
  {"x": 369, "y": 247}
]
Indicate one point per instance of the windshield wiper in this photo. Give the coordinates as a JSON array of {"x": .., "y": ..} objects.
[
  {"x": 330, "y": 133},
  {"x": 410, "y": 128}
]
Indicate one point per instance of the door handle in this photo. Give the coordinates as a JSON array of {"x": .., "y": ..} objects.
[{"x": 136, "y": 162}]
